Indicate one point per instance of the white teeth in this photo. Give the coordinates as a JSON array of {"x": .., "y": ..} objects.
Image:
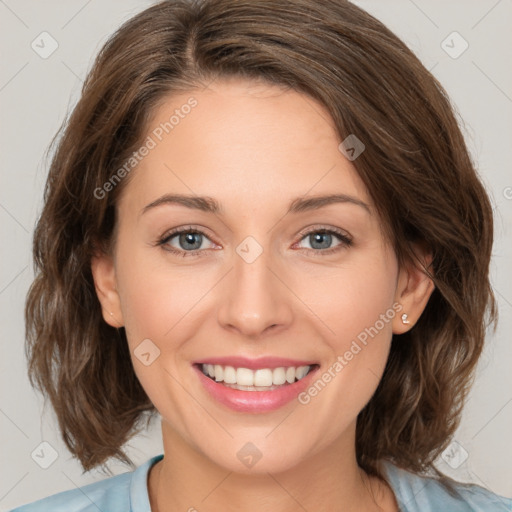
[
  {"x": 229, "y": 375},
  {"x": 219, "y": 373},
  {"x": 244, "y": 377},
  {"x": 250, "y": 388},
  {"x": 247, "y": 378},
  {"x": 263, "y": 377},
  {"x": 301, "y": 372},
  {"x": 278, "y": 376},
  {"x": 290, "y": 374}
]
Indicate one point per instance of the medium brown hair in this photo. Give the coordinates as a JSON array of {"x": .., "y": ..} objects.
[{"x": 416, "y": 168}]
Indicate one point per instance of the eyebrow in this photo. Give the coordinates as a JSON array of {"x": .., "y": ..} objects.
[{"x": 300, "y": 204}]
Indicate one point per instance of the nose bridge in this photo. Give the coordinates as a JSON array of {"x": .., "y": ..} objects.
[{"x": 255, "y": 299}]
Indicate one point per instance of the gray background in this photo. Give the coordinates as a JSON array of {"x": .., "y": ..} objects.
[{"x": 36, "y": 93}]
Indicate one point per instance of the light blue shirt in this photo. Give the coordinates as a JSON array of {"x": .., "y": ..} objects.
[{"x": 128, "y": 492}]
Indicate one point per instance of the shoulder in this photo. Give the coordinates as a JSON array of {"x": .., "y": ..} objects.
[
  {"x": 105, "y": 495},
  {"x": 416, "y": 493},
  {"x": 121, "y": 493}
]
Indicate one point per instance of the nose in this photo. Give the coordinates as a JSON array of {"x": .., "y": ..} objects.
[{"x": 255, "y": 299}]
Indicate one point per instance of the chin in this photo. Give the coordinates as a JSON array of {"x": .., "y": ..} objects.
[{"x": 258, "y": 456}]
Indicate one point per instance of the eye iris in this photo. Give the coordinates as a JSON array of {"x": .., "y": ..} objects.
[
  {"x": 317, "y": 237},
  {"x": 189, "y": 238}
]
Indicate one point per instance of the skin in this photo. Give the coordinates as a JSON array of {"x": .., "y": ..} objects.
[{"x": 255, "y": 148}]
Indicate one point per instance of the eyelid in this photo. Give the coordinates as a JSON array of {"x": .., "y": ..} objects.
[
  {"x": 323, "y": 227},
  {"x": 185, "y": 229}
]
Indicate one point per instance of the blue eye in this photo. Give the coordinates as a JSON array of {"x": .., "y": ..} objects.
[
  {"x": 186, "y": 237},
  {"x": 191, "y": 238},
  {"x": 324, "y": 238}
]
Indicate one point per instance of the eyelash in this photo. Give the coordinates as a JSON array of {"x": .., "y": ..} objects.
[{"x": 346, "y": 241}]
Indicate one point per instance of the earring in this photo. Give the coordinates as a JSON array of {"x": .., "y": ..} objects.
[{"x": 404, "y": 319}]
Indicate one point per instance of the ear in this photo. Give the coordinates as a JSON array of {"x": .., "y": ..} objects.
[
  {"x": 103, "y": 272},
  {"x": 414, "y": 288}
]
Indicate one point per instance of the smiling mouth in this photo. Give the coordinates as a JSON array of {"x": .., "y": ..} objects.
[{"x": 262, "y": 379}]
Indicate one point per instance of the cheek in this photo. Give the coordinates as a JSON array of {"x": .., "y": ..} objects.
[
  {"x": 356, "y": 305},
  {"x": 351, "y": 299},
  {"x": 155, "y": 296},
  {"x": 364, "y": 306},
  {"x": 161, "y": 303},
  {"x": 155, "y": 300}
]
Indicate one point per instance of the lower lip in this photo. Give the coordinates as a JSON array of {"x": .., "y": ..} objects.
[{"x": 254, "y": 401}]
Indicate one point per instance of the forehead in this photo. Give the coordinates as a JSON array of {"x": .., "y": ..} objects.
[{"x": 244, "y": 143}]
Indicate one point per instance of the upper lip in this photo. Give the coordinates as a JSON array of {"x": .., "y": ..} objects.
[{"x": 254, "y": 364}]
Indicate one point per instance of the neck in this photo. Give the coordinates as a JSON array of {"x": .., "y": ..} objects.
[{"x": 329, "y": 480}]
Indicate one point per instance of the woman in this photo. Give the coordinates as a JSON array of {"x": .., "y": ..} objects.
[{"x": 288, "y": 375}]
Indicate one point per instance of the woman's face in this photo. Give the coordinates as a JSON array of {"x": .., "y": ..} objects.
[{"x": 254, "y": 279}]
